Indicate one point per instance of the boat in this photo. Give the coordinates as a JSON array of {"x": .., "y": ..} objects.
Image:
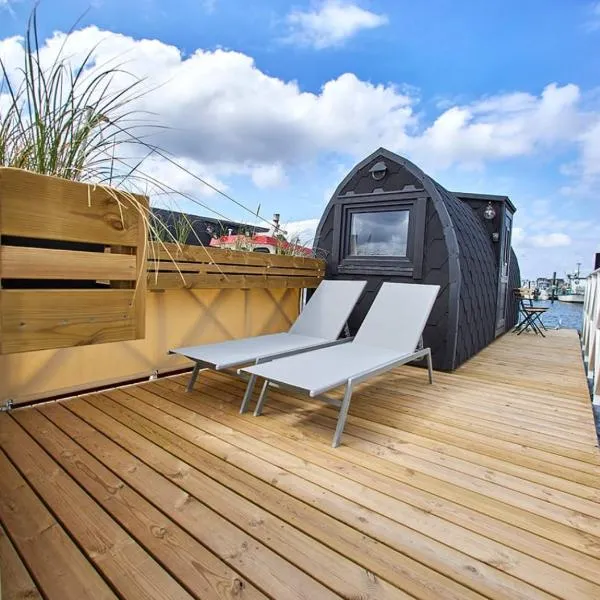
[
  {"x": 575, "y": 290},
  {"x": 572, "y": 297}
]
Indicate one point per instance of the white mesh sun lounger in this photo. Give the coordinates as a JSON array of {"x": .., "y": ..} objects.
[
  {"x": 318, "y": 325},
  {"x": 387, "y": 338}
]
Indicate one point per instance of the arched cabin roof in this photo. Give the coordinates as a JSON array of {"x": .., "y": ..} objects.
[{"x": 470, "y": 292}]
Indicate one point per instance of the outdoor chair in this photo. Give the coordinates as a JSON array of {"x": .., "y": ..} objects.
[
  {"x": 318, "y": 326},
  {"x": 387, "y": 338},
  {"x": 530, "y": 316}
]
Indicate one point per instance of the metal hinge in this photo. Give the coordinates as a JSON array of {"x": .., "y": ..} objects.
[{"x": 7, "y": 406}]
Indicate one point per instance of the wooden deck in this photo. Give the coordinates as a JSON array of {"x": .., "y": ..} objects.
[{"x": 484, "y": 485}]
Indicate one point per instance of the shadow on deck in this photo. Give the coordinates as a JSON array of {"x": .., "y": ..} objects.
[{"x": 486, "y": 484}]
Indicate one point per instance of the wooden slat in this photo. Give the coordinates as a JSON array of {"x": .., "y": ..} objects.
[
  {"x": 175, "y": 281},
  {"x": 194, "y": 566},
  {"x": 57, "y": 565},
  {"x": 18, "y": 262},
  {"x": 221, "y": 256},
  {"x": 527, "y": 570},
  {"x": 269, "y": 571},
  {"x": 386, "y": 563},
  {"x": 130, "y": 569},
  {"x": 40, "y": 206},
  {"x": 195, "y": 267},
  {"x": 39, "y": 319},
  {"x": 164, "y": 266},
  {"x": 534, "y": 571},
  {"x": 15, "y": 581}
]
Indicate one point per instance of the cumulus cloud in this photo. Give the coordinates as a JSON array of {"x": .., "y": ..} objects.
[
  {"x": 268, "y": 176},
  {"x": 223, "y": 116},
  {"x": 330, "y": 23},
  {"x": 304, "y": 231},
  {"x": 551, "y": 240},
  {"x": 508, "y": 125}
]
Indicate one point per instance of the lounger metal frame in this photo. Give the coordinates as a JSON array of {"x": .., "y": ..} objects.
[{"x": 343, "y": 405}]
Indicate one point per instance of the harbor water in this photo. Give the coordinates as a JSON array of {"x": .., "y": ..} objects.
[{"x": 561, "y": 315}]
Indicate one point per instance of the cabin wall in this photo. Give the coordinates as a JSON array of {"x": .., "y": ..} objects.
[
  {"x": 479, "y": 279},
  {"x": 514, "y": 282},
  {"x": 174, "y": 318},
  {"x": 435, "y": 259}
]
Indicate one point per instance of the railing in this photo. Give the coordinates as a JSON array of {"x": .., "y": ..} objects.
[{"x": 590, "y": 336}]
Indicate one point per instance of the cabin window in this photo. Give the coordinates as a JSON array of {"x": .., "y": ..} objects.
[
  {"x": 383, "y": 236},
  {"x": 380, "y": 233}
]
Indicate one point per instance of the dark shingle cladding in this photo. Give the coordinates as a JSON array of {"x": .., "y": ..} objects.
[
  {"x": 458, "y": 255},
  {"x": 514, "y": 281},
  {"x": 478, "y": 290}
]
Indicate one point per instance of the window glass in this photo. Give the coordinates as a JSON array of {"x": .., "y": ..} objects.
[{"x": 380, "y": 233}]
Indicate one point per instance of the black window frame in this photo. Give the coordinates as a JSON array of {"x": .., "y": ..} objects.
[{"x": 410, "y": 265}]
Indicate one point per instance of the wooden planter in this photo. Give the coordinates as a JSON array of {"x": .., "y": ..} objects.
[
  {"x": 197, "y": 267},
  {"x": 71, "y": 263}
]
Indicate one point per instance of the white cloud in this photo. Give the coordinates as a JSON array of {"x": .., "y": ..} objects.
[
  {"x": 268, "y": 176},
  {"x": 508, "y": 125},
  {"x": 225, "y": 117},
  {"x": 330, "y": 23},
  {"x": 551, "y": 240},
  {"x": 209, "y": 5},
  {"x": 222, "y": 112},
  {"x": 304, "y": 231}
]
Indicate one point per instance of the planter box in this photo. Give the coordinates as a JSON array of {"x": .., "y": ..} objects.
[
  {"x": 197, "y": 267},
  {"x": 71, "y": 263}
]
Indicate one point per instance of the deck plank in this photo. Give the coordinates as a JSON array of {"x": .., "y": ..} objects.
[
  {"x": 469, "y": 542},
  {"x": 481, "y": 494},
  {"x": 264, "y": 489},
  {"x": 184, "y": 426},
  {"x": 167, "y": 489},
  {"x": 15, "y": 581},
  {"x": 200, "y": 571},
  {"x": 55, "y": 562},
  {"x": 123, "y": 562},
  {"x": 485, "y": 484}
]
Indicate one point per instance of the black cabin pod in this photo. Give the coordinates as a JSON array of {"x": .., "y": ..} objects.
[{"x": 389, "y": 221}]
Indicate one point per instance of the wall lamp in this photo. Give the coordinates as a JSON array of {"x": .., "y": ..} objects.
[{"x": 489, "y": 212}]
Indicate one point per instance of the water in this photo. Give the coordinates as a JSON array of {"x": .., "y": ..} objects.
[{"x": 561, "y": 315}]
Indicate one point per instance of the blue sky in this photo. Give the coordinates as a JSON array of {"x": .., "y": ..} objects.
[{"x": 274, "y": 101}]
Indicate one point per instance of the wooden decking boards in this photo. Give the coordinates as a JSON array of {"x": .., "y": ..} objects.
[{"x": 483, "y": 485}]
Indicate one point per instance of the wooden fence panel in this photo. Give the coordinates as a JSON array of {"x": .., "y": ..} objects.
[
  {"x": 72, "y": 263},
  {"x": 197, "y": 267}
]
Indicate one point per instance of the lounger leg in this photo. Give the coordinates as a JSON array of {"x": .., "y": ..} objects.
[
  {"x": 430, "y": 366},
  {"x": 248, "y": 394},
  {"x": 341, "y": 422},
  {"x": 261, "y": 399},
  {"x": 190, "y": 385}
]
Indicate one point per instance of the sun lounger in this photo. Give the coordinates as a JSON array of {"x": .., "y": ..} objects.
[
  {"x": 318, "y": 326},
  {"x": 387, "y": 338}
]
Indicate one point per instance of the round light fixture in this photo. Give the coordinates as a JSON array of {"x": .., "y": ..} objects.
[
  {"x": 378, "y": 170},
  {"x": 489, "y": 213}
]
